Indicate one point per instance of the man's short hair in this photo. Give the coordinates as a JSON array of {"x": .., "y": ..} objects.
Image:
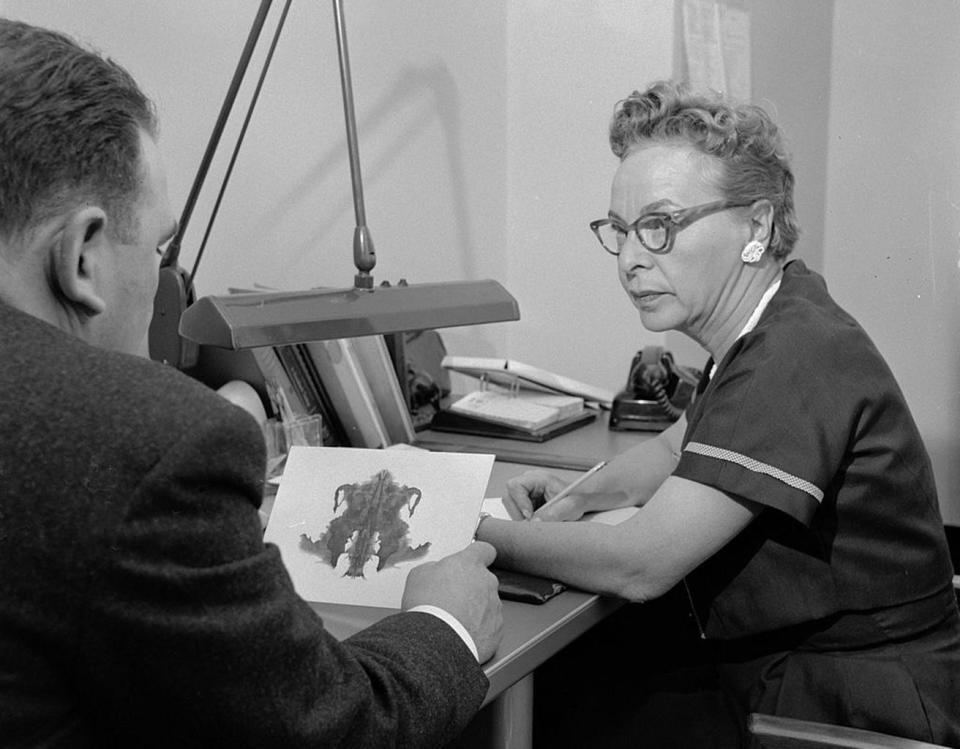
[{"x": 70, "y": 122}]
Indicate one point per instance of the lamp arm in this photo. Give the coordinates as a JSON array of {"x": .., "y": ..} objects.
[
  {"x": 173, "y": 252},
  {"x": 174, "y": 287},
  {"x": 364, "y": 255},
  {"x": 236, "y": 146}
]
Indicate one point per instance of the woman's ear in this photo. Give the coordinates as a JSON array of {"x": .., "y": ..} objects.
[
  {"x": 78, "y": 259},
  {"x": 761, "y": 222}
]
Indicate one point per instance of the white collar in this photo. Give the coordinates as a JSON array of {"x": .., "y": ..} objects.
[
  {"x": 761, "y": 306},
  {"x": 755, "y": 315}
]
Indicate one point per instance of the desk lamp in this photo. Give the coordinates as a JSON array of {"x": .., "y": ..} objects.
[{"x": 248, "y": 320}]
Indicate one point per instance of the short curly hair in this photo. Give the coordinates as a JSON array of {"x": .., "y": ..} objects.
[
  {"x": 70, "y": 123},
  {"x": 742, "y": 138}
]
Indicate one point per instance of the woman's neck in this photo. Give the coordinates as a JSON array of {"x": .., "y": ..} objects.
[{"x": 745, "y": 315}]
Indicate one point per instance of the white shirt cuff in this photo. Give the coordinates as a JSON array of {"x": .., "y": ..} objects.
[{"x": 454, "y": 624}]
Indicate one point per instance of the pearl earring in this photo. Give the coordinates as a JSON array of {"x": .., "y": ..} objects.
[{"x": 752, "y": 252}]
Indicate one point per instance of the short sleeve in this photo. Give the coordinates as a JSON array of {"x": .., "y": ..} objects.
[{"x": 773, "y": 424}]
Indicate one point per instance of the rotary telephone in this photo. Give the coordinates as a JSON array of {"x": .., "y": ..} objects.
[{"x": 656, "y": 393}]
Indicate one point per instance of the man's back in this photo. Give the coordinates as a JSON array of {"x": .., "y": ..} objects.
[{"x": 138, "y": 604}]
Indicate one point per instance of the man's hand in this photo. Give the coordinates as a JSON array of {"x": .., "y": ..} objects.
[{"x": 462, "y": 585}]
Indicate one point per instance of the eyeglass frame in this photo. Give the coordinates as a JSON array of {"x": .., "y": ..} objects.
[{"x": 676, "y": 221}]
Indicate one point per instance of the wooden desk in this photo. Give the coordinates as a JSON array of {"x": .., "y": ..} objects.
[{"x": 532, "y": 633}]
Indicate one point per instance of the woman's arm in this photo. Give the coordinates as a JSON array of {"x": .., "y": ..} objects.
[{"x": 680, "y": 526}]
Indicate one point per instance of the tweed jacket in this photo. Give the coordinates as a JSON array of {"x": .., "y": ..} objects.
[{"x": 139, "y": 605}]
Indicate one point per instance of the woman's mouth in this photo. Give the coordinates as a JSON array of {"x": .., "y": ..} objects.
[{"x": 646, "y": 298}]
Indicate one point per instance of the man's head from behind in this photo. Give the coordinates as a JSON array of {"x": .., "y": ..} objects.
[{"x": 81, "y": 186}]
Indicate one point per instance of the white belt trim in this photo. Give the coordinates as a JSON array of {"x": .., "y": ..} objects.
[{"x": 756, "y": 466}]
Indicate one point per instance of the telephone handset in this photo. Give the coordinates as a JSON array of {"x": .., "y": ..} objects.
[{"x": 656, "y": 394}]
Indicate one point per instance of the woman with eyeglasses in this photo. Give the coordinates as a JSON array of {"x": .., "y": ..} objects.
[{"x": 794, "y": 502}]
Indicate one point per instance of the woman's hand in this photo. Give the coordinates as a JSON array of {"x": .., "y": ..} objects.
[{"x": 530, "y": 490}]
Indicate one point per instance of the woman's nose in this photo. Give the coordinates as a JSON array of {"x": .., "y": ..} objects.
[{"x": 633, "y": 254}]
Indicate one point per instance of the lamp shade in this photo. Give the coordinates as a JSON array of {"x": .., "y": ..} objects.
[{"x": 249, "y": 320}]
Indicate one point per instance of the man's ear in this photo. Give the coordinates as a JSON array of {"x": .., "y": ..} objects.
[
  {"x": 78, "y": 258},
  {"x": 761, "y": 221}
]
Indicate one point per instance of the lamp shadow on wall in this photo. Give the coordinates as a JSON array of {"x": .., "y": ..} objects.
[{"x": 426, "y": 94}]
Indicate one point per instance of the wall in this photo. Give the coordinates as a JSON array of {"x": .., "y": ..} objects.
[
  {"x": 893, "y": 224},
  {"x": 482, "y": 131},
  {"x": 483, "y": 142},
  {"x": 429, "y": 82},
  {"x": 790, "y": 77},
  {"x": 568, "y": 64}
]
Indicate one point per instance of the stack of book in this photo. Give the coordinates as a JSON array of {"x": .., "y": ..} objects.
[
  {"x": 514, "y": 374},
  {"x": 350, "y": 382},
  {"x": 522, "y": 410},
  {"x": 518, "y": 401}
]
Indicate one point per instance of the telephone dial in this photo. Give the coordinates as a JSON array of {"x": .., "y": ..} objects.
[{"x": 656, "y": 394}]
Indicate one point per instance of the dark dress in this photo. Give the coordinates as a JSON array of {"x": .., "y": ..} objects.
[{"x": 836, "y": 603}]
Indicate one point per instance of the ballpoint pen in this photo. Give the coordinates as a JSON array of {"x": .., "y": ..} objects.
[{"x": 572, "y": 486}]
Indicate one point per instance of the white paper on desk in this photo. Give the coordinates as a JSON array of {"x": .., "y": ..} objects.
[
  {"x": 339, "y": 509},
  {"x": 495, "y": 507}
]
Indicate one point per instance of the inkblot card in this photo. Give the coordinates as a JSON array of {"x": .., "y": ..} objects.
[{"x": 351, "y": 523}]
